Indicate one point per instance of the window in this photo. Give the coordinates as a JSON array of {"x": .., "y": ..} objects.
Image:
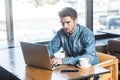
[
  {"x": 106, "y": 14},
  {"x": 38, "y": 21},
  {"x": 3, "y": 35}
]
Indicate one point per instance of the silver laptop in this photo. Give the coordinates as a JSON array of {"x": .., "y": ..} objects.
[{"x": 37, "y": 55}]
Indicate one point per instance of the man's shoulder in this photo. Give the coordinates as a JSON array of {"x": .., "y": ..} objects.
[
  {"x": 83, "y": 28},
  {"x": 61, "y": 32},
  {"x": 85, "y": 31}
]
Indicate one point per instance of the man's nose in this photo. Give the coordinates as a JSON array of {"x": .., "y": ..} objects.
[{"x": 65, "y": 25}]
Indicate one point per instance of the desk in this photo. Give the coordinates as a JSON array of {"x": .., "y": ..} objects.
[
  {"x": 111, "y": 31},
  {"x": 11, "y": 60}
]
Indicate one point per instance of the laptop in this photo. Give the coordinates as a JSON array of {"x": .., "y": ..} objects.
[{"x": 37, "y": 55}]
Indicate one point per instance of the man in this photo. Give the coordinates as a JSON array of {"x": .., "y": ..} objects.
[{"x": 76, "y": 40}]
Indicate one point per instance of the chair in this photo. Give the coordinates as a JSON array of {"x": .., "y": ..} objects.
[
  {"x": 113, "y": 48},
  {"x": 109, "y": 62}
]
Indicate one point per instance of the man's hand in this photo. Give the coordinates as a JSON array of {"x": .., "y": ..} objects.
[{"x": 56, "y": 61}]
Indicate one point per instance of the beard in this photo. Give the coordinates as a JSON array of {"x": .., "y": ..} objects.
[{"x": 69, "y": 31}]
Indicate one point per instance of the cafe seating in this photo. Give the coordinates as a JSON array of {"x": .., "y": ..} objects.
[
  {"x": 109, "y": 62},
  {"x": 113, "y": 48}
]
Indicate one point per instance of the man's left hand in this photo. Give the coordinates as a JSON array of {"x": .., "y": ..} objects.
[{"x": 56, "y": 61}]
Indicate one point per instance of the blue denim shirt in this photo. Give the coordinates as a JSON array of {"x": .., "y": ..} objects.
[{"x": 80, "y": 44}]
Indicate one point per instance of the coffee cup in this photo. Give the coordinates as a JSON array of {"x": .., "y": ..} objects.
[{"x": 84, "y": 62}]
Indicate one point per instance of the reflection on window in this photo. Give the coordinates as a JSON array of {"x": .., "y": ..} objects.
[
  {"x": 106, "y": 14},
  {"x": 37, "y": 20}
]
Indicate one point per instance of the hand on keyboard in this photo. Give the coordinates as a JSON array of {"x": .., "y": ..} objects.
[{"x": 56, "y": 61}]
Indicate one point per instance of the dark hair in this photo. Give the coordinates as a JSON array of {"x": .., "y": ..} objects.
[{"x": 68, "y": 11}]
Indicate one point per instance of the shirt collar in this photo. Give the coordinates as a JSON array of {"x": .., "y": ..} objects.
[{"x": 75, "y": 32}]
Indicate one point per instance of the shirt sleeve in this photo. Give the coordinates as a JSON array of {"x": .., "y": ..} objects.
[{"x": 54, "y": 45}]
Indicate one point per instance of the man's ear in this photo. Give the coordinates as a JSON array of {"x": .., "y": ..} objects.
[{"x": 76, "y": 19}]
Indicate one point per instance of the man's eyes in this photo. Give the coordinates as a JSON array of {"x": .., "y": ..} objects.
[{"x": 66, "y": 22}]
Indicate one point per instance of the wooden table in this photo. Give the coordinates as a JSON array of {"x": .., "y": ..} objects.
[
  {"x": 111, "y": 31},
  {"x": 13, "y": 66}
]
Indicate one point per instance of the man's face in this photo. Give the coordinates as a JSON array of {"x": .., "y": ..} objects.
[{"x": 69, "y": 25}]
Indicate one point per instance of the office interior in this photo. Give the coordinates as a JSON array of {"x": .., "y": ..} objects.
[{"x": 37, "y": 21}]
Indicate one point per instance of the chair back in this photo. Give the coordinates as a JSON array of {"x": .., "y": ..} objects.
[{"x": 113, "y": 48}]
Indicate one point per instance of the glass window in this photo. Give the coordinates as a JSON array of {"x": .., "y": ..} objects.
[
  {"x": 106, "y": 14},
  {"x": 38, "y": 21},
  {"x": 3, "y": 35}
]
